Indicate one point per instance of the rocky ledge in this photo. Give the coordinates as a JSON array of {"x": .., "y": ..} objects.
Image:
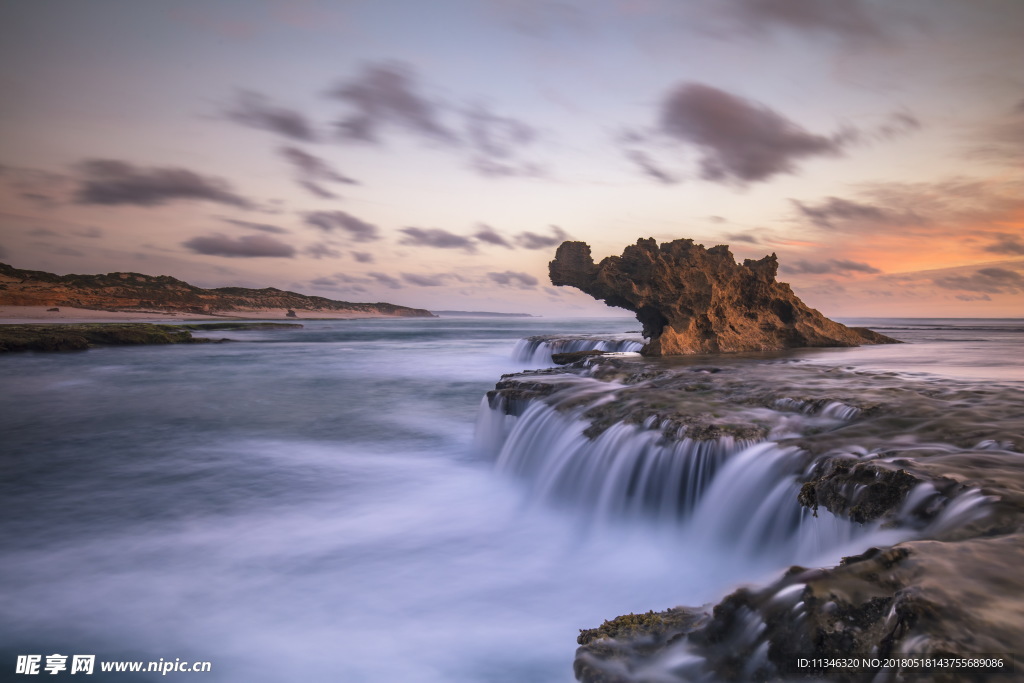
[
  {"x": 939, "y": 460},
  {"x": 81, "y": 336},
  {"x": 692, "y": 300}
]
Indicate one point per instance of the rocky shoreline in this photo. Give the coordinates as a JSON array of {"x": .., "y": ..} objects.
[
  {"x": 82, "y": 336},
  {"x": 938, "y": 459}
]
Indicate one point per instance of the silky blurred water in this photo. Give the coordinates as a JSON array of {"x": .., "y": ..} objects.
[{"x": 306, "y": 504}]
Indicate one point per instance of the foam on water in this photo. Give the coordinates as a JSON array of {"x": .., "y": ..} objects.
[{"x": 310, "y": 504}]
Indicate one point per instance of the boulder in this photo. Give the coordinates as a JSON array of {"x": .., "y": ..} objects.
[{"x": 692, "y": 300}]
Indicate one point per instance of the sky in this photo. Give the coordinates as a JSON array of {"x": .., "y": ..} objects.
[{"x": 434, "y": 154}]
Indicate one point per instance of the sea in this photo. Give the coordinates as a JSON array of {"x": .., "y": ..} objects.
[{"x": 329, "y": 503}]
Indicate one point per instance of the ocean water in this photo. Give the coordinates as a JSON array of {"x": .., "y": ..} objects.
[{"x": 311, "y": 504}]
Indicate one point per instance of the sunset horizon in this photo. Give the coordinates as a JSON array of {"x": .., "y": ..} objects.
[{"x": 436, "y": 157}]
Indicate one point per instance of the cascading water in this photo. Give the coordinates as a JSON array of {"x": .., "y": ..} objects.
[
  {"x": 728, "y": 492},
  {"x": 536, "y": 351}
]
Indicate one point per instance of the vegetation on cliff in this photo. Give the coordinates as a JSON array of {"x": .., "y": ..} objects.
[{"x": 138, "y": 292}]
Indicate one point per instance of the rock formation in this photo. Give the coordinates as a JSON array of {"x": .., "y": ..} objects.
[
  {"x": 694, "y": 300},
  {"x": 148, "y": 293}
]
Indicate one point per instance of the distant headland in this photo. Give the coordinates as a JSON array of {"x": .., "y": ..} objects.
[{"x": 41, "y": 295}]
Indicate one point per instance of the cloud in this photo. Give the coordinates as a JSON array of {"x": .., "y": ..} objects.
[
  {"x": 4, "y": 253},
  {"x": 496, "y": 142},
  {"x": 1002, "y": 140},
  {"x": 36, "y": 186},
  {"x": 512, "y": 279},
  {"x": 255, "y": 111},
  {"x": 1006, "y": 244},
  {"x": 645, "y": 164},
  {"x": 740, "y": 140},
  {"x": 386, "y": 95},
  {"x": 311, "y": 171},
  {"x": 489, "y": 235},
  {"x": 835, "y": 208},
  {"x": 89, "y": 233},
  {"x": 363, "y": 256},
  {"x": 988, "y": 280},
  {"x": 832, "y": 266},
  {"x": 328, "y": 221},
  {"x": 531, "y": 240},
  {"x": 246, "y": 246},
  {"x": 112, "y": 182},
  {"x": 386, "y": 280},
  {"x": 741, "y": 237},
  {"x": 319, "y": 250},
  {"x": 972, "y": 297},
  {"x": 899, "y": 123},
  {"x": 262, "y": 227},
  {"x": 425, "y": 280},
  {"x": 437, "y": 238},
  {"x": 848, "y": 19}
]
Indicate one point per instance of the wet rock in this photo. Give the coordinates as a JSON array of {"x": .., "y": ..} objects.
[
  {"x": 573, "y": 356},
  {"x": 81, "y": 336},
  {"x": 862, "y": 491},
  {"x": 692, "y": 300}
]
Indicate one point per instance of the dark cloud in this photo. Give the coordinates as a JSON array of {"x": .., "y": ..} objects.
[
  {"x": 1007, "y": 244},
  {"x": 425, "y": 280},
  {"x": 386, "y": 280},
  {"x": 531, "y": 240},
  {"x": 112, "y": 182},
  {"x": 972, "y": 297},
  {"x": 988, "y": 280},
  {"x": 311, "y": 171},
  {"x": 832, "y": 266},
  {"x": 90, "y": 233},
  {"x": 848, "y": 19},
  {"x": 437, "y": 238},
  {"x": 496, "y": 142},
  {"x": 489, "y": 235},
  {"x": 261, "y": 227},
  {"x": 256, "y": 111},
  {"x": 246, "y": 246},
  {"x": 835, "y": 208},
  {"x": 43, "y": 201},
  {"x": 363, "y": 256},
  {"x": 645, "y": 164},
  {"x": 740, "y": 140},
  {"x": 328, "y": 221},
  {"x": 741, "y": 237},
  {"x": 513, "y": 279},
  {"x": 43, "y": 232},
  {"x": 319, "y": 250},
  {"x": 387, "y": 95},
  {"x": 323, "y": 282}
]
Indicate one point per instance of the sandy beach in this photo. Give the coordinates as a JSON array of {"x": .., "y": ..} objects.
[{"x": 65, "y": 314}]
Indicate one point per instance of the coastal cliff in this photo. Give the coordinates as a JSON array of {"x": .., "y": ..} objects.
[
  {"x": 692, "y": 300},
  {"x": 135, "y": 292}
]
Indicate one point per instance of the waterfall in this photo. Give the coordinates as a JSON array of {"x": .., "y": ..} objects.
[
  {"x": 537, "y": 351},
  {"x": 722, "y": 492}
]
